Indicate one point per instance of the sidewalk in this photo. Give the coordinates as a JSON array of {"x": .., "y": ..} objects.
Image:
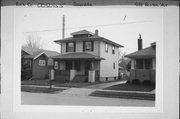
[
  {"x": 104, "y": 85},
  {"x": 98, "y": 91}
]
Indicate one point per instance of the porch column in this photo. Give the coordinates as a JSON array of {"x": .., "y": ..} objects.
[
  {"x": 153, "y": 63},
  {"x": 72, "y": 71},
  {"x": 132, "y": 64},
  {"x": 91, "y": 76}
]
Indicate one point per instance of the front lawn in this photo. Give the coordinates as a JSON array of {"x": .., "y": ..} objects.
[
  {"x": 131, "y": 87},
  {"x": 59, "y": 83},
  {"x": 35, "y": 82},
  {"x": 40, "y": 89}
]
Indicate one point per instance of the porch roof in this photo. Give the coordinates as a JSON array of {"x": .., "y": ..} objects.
[
  {"x": 149, "y": 52},
  {"x": 78, "y": 55}
]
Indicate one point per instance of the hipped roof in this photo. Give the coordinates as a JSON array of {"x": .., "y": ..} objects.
[
  {"x": 93, "y": 37},
  {"x": 149, "y": 52}
]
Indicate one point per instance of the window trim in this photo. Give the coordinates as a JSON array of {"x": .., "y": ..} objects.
[
  {"x": 114, "y": 65},
  {"x": 42, "y": 62},
  {"x": 84, "y": 46},
  {"x": 113, "y": 49},
  {"x": 67, "y": 46},
  {"x": 106, "y": 47}
]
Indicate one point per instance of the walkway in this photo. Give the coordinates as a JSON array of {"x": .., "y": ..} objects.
[{"x": 104, "y": 85}]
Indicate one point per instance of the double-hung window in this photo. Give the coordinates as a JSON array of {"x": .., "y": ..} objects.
[
  {"x": 88, "y": 46},
  {"x": 42, "y": 62},
  {"x": 113, "y": 50},
  {"x": 106, "y": 47},
  {"x": 70, "y": 47}
]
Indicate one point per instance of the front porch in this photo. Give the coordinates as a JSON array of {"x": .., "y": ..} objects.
[{"x": 81, "y": 67}]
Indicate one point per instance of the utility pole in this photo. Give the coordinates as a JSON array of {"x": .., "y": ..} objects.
[{"x": 63, "y": 27}]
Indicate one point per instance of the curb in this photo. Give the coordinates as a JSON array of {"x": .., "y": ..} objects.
[{"x": 122, "y": 94}]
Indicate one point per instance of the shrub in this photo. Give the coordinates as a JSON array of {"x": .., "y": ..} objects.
[
  {"x": 136, "y": 81},
  {"x": 146, "y": 82},
  {"x": 128, "y": 82}
]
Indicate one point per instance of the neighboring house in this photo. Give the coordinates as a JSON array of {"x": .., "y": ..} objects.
[
  {"x": 143, "y": 63},
  {"x": 88, "y": 57},
  {"x": 36, "y": 62}
]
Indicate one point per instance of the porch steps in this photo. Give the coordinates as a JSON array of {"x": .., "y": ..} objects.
[{"x": 80, "y": 78}]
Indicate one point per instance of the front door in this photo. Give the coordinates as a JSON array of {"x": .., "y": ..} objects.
[{"x": 87, "y": 67}]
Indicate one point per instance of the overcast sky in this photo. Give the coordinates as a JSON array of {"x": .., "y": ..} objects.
[{"x": 121, "y": 25}]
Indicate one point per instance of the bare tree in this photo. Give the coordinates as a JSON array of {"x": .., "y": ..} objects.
[
  {"x": 123, "y": 61},
  {"x": 34, "y": 41}
]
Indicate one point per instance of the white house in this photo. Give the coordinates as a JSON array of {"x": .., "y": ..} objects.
[{"x": 88, "y": 57}]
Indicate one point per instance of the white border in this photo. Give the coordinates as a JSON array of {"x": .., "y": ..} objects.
[
  {"x": 170, "y": 75},
  {"x": 17, "y": 107}
]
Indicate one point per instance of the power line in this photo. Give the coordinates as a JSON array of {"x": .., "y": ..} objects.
[{"x": 91, "y": 26}]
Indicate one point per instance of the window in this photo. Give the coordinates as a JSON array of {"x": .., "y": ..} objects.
[
  {"x": 88, "y": 46},
  {"x": 77, "y": 65},
  {"x": 27, "y": 63},
  {"x": 82, "y": 36},
  {"x": 42, "y": 63},
  {"x": 114, "y": 65},
  {"x": 106, "y": 47},
  {"x": 113, "y": 50},
  {"x": 70, "y": 47},
  {"x": 148, "y": 64},
  {"x": 55, "y": 65},
  {"x": 68, "y": 65},
  {"x": 139, "y": 64},
  {"x": 144, "y": 64}
]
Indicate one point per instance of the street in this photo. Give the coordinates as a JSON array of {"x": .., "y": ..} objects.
[{"x": 69, "y": 99}]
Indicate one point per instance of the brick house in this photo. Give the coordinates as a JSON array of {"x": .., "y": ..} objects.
[
  {"x": 143, "y": 63},
  {"x": 36, "y": 62},
  {"x": 86, "y": 57}
]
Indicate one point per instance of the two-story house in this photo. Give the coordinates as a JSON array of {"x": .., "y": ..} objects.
[{"x": 88, "y": 57}]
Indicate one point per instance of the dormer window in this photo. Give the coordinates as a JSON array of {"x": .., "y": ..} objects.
[{"x": 82, "y": 36}]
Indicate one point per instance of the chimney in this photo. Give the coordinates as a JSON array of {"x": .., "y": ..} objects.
[
  {"x": 139, "y": 42},
  {"x": 96, "y": 32}
]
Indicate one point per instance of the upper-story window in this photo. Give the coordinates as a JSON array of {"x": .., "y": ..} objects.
[
  {"x": 70, "y": 46},
  {"x": 106, "y": 47},
  {"x": 88, "y": 46},
  {"x": 113, "y": 50}
]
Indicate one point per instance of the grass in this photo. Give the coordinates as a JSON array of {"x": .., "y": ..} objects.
[
  {"x": 131, "y": 87},
  {"x": 36, "y": 82},
  {"x": 40, "y": 89},
  {"x": 61, "y": 83}
]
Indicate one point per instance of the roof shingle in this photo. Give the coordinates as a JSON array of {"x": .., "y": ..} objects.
[
  {"x": 149, "y": 52},
  {"x": 78, "y": 55}
]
